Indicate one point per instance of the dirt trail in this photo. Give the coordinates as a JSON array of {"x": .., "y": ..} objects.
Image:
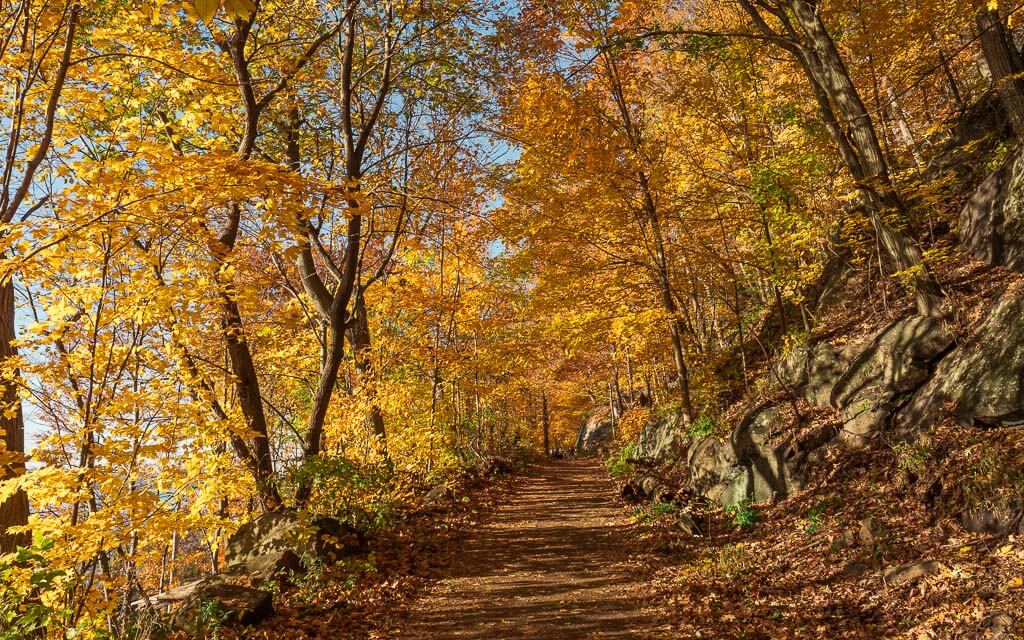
[{"x": 557, "y": 561}]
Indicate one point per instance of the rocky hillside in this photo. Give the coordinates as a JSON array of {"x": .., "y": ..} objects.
[{"x": 882, "y": 451}]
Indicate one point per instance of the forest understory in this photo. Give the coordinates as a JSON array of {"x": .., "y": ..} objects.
[{"x": 417, "y": 319}]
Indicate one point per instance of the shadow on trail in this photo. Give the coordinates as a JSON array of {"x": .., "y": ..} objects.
[{"x": 553, "y": 563}]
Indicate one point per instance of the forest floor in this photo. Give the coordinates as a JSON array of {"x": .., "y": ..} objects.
[
  {"x": 552, "y": 553},
  {"x": 557, "y": 560},
  {"x": 547, "y": 553}
]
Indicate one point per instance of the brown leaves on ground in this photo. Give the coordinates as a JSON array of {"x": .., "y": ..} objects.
[
  {"x": 805, "y": 570},
  {"x": 359, "y": 595}
]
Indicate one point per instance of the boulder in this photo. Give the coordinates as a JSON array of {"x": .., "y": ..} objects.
[
  {"x": 279, "y": 540},
  {"x": 761, "y": 466},
  {"x": 495, "y": 466},
  {"x": 824, "y": 369},
  {"x": 269, "y": 533},
  {"x": 991, "y": 224},
  {"x": 439, "y": 497},
  {"x": 756, "y": 430},
  {"x": 595, "y": 431},
  {"x": 993, "y": 521},
  {"x": 764, "y": 480},
  {"x": 888, "y": 366},
  {"x": 751, "y": 465},
  {"x": 685, "y": 524},
  {"x": 811, "y": 371},
  {"x": 983, "y": 378},
  {"x": 711, "y": 462},
  {"x": 214, "y": 602},
  {"x": 273, "y": 565},
  {"x": 662, "y": 440},
  {"x": 911, "y": 573}
]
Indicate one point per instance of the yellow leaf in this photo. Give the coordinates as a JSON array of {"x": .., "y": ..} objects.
[
  {"x": 206, "y": 8},
  {"x": 239, "y": 8},
  {"x": 1015, "y": 583}
]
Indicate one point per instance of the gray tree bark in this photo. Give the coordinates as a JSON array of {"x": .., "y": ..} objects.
[{"x": 1004, "y": 63}]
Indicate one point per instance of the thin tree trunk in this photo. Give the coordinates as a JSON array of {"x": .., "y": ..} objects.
[
  {"x": 903, "y": 129},
  {"x": 629, "y": 377},
  {"x": 14, "y": 510},
  {"x": 546, "y": 422},
  {"x": 947, "y": 71},
  {"x": 364, "y": 365},
  {"x": 677, "y": 325}
]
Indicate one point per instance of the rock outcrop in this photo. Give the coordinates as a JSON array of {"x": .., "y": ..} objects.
[
  {"x": 991, "y": 225},
  {"x": 662, "y": 439},
  {"x": 595, "y": 431},
  {"x": 897, "y": 379},
  {"x": 810, "y": 371},
  {"x": 754, "y": 463},
  {"x": 887, "y": 367},
  {"x": 983, "y": 380},
  {"x": 214, "y": 602}
]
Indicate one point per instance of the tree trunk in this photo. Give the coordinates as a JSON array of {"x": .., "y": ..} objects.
[
  {"x": 903, "y": 130},
  {"x": 677, "y": 326},
  {"x": 947, "y": 71},
  {"x": 546, "y": 422},
  {"x": 13, "y": 511},
  {"x": 250, "y": 398},
  {"x": 364, "y": 365},
  {"x": 855, "y": 136},
  {"x": 1004, "y": 63}
]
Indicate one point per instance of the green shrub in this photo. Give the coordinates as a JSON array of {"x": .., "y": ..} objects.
[
  {"x": 911, "y": 457},
  {"x": 619, "y": 464},
  {"x": 364, "y": 495},
  {"x": 212, "y": 616},
  {"x": 701, "y": 428},
  {"x": 815, "y": 518},
  {"x": 31, "y": 594},
  {"x": 743, "y": 514},
  {"x": 655, "y": 511}
]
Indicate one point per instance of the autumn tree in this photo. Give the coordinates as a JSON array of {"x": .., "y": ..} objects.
[{"x": 35, "y": 59}]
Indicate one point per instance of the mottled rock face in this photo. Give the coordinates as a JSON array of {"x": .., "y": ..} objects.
[
  {"x": 214, "y": 601},
  {"x": 893, "y": 363},
  {"x": 811, "y": 371},
  {"x": 272, "y": 532},
  {"x": 595, "y": 430},
  {"x": 711, "y": 462},
  {"x": 984, "y": 378},
  {"x": 991, "y": 225},
  {"x": 663, "y": 439},
  {"x": 277, "y": 539},
  {"x": 438, "y": 498},
  {"x": 752, "y": 464}
]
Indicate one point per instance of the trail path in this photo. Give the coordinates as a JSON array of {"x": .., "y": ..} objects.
[{"x": 557, "y": 561}]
